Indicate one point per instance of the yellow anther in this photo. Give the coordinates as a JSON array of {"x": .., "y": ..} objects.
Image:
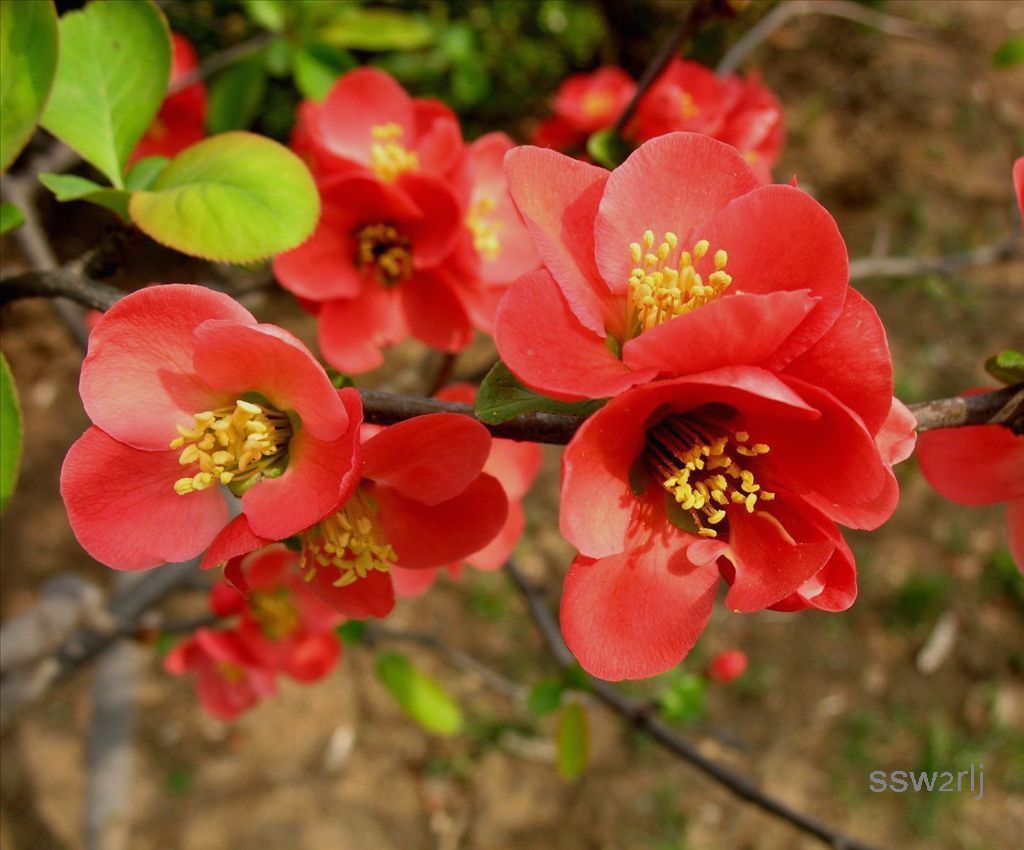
[
  {"x": 388, "y": 157},
  {"x": 275, "y": 612},
  {"x": 383, "y": 250},
  {"x": 721, "y": 258},
  {"x": 391, "y": 130},
  {"x": 484, "y": 229},
  {"x": 687, "y": 106}
]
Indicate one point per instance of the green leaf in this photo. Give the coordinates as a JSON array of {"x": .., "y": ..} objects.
[
  {"x": 1009, "y": 54},
  {"x": 10, "y": 433},
  {"x": 545, "y": 697},
  {"x": 317, "y": 66},
  {"x": 607, "y": 148},
  {"x": 683, "y": 701},
  {"x": 352, "y": 631},
  {"x": 235, "y": 96},
  {"x": 503, "y": 397},
  {"x": 269, "y": 14},
  {"x": 144, "y": 173},
  {"x": 10, "y": 217},
  {"x": 114, "y": 64},
  {"x": 573, "y": 741},
  {"x": 234, "y": 198},
  {"x": 71, "y": 187},
  {"x": 377, "y": 29},
  {"x": 421, "y": 698},
  {"x": 28, "y": 59},
  {"x": 1007, "y": 366}
]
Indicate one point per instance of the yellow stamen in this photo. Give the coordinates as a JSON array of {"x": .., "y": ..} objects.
[
  {"x": 275, "y": 612},
  {"x": 484, "y": 229},
  {"x": 389, "y": 158},
  {"x": 350, "y": 541},
  {"x": 661, "y": 288},
  {"x": 597, "y": 103},
  {"x": 688, "y": 106},
  {"x": 383, "y": 249},
  {"x": 234, "y": 444}
]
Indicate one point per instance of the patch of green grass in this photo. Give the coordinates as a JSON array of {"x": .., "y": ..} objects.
[{"x": 921, "y": 598}]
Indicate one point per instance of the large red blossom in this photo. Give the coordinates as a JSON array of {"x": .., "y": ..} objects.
[
  {"x": 182, "y": 116},
  {"x": 677, "y": 262},
  {"x": 515, "y": 466},
  {"x": 584, "y": 104},
  {"x": 738, "y": 473},
  {"x": 979, "y": 465},
  {"x": 422, "y": 501},
  {"x": 187, "y": 392}
]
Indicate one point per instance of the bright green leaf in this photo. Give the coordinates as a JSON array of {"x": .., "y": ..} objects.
[
  {"x": 573, "y": 741},
  {"x": 10, "y": 433},
  {"x": 277, "y": 58},
  {"x": 607, "y": 148},
  {"x": 269, "y": 14},
  {"x": 317, "y": 66},
  {"x": 28, "y": 59},
  {"x": 235, "y": 96},
  {"x": 683, "y": 701},
  {"x": 545, "y": 697},
  {"x": 421, "y": 698},
  {"x": 10, "y": 217},
  {"x": 377, "y": 29},
  {"x": 234, "y": 198},
  {"x": 144, "y": 173},
  {"x": 1007, "y": 366},
  {"x": 1009, "y": 54},
  {"x": 112, "y": 73},
  {"x": 503, "y": 397},
  {"x": 71, "y": 187}
]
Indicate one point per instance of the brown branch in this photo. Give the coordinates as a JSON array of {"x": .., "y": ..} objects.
[
  {"x": 946, "y": 266},
  {"x": 1001, "y": 407},
  {"x": 63, "y": 282},
  {"x": 640, "y": 716}
]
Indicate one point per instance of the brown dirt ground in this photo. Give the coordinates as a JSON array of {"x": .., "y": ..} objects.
[{"x": 907, "y": 139}]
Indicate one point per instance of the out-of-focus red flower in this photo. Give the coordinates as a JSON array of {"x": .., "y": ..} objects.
[
  {"x": 422, "y": 501},
  {"x": 677, "y": 262},
  {"x": 283, "y": 623},
  {"x": 1018, "y": 184},
  {"x": 228, "y": 678},
  {"x": 188, "y": 392},
  {"x": 182, "y": 116},
  {"x": 727, "y": 666},
  {"x": 979, "y": 465},
  {"x": 754, "y": 125},
  {"x": 584, "y": 104},
  {"x": 740, "y": 473},
  {"x": 515, "y": 465}
]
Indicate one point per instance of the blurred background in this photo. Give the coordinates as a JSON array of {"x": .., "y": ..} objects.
[{"x": 909, "y": 144}]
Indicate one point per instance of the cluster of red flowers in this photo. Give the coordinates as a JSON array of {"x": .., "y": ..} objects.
[
  {"x": 418, "y": 236},
  {"x": 686, "y": 97}
]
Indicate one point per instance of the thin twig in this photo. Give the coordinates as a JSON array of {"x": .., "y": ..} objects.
[
  {"x": 872, "y": 267},
  {"x": 640, "y": 715},
  {"x": 61, "y": 282},
  {"x": 1001, "y": 407},
  {"x": 836, "y": 8},
  {"x": 221, "y": 60}
]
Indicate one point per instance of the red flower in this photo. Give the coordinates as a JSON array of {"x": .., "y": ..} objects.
[
  {"x": 1018, "y": 184},
  {"x": 677, "y": 262},
  {"x": 422, "y": 501},
  {"x": 738, "y": 472},
  {"x": 727, "y": 666},
  {"x": 283, "y": 623},
  {"x": 228, "y": 678},
  {"x": 979, "y": 465},
  {"x": 182, "y": 116},
  {"x": 754, "y": 125},
  {"x": 584, "y": 104},
  {"x": 186, "y": 391},
  {"x": 515, "y": 466}
]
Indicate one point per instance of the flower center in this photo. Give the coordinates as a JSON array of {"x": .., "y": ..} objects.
[
  {"x": 388, "y": 156},
  {"x": 687, "y": 106},
  {"x": 484, "y": 228},
  {"x": 275, "y": 613},
  {"x": 597, "y": 103},
  {"x": 382, "y": 248},
  {"x": 663, "y": 285},
  {"x": 235, "y": 445},
  {"x": 704, "y": 473},
  {"x": 230, "y": 672},
  {"x": 350, "y": 540}
]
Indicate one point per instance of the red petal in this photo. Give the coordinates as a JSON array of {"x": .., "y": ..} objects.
[
  {"x": 1018, "y": 183},
  {"x": 138, "y": 380},
  {"x": 433, "y": 313},
  {"x": 313, "y": 657},
  {"x": 558, "y": 198},
  {"x": 739, "y": 330},
  {"x": 359, "y": 101},
  {"x": 123, "y": 509},
  {"x": 412, "y": 583},
  {"x": 435, "y": 232},
  {"x": 372, "y": 596},
  {"x": 435, "y": 535},
  {"x": 323, "y": 267},
  {"x": 543, "y": 343},
  {"x": 636, "y": 614},
  {"x": 898, "y": 435},
  {"x": 430, "y": 458},
  {"x": 832, "y": 588},
  {"x": 352, "y": 332},
  {"x": 225, "y": 599},
  {"x": 976, "y": 465},
  {"x": 234, "y": 540},
  {"x": 494, "y": 555}
]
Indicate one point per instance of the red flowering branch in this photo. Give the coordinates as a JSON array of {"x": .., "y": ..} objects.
[{"x": 641, "y": 716}]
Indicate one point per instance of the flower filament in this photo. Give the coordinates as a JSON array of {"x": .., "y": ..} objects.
[
  {"x": 382, "y": 248},
  {"x": 389, "y": 158},
  {"x": 275, "y": 613},
  {"x": 661, "y": 288},
  {"x": 350, "y": 540},
  {"x": 484, "y": 228},
  {"x": 704, "y": 473},
  {"x": 237, "y": 445}
]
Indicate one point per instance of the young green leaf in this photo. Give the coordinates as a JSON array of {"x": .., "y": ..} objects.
[
  {"x": 503, "y": 397},
  {"x": 235, "y": 96},
  {"x": 143, "y": 174},
  {"x": 545, "y": 697},
  {"x": 114, "y": 64},
  {"x": 28, "y": 59},
  {"x": 607, "y": 148},
  {"x": 10, "y": 217},
  {"x": 10, "y": 433},
  {"x": 234, "y": 198},
  {"x": 572, "y": 741},
  {"x": 1006, "y": 366},
  {"x": 71, "y": 187},
  {"x": 377, "y": 29},
  {"x": 269, "y": 14},
  {"x": 683, "y": 701},
  {"x": 420, "y": 697},
  {"x": 317, "y": 66}
]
